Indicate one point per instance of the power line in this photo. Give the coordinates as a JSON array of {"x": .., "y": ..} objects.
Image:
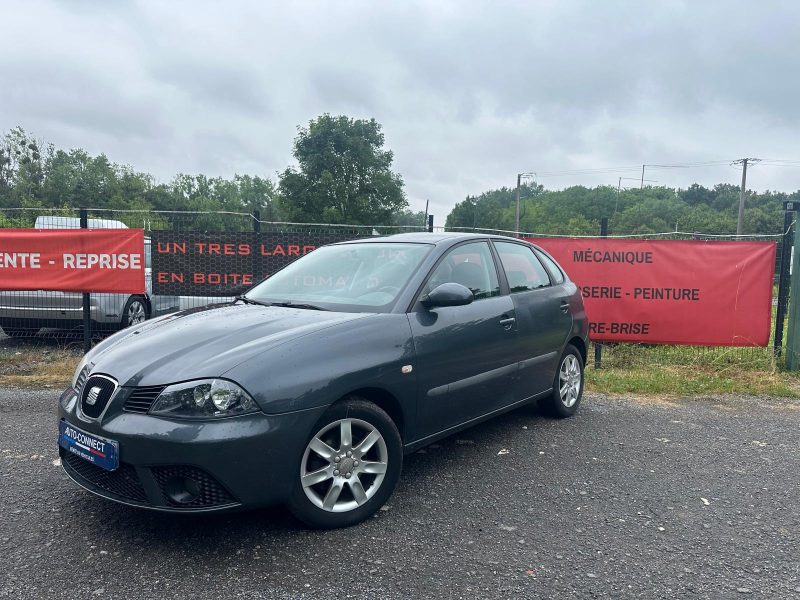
[{"x": 676, "y": 165}]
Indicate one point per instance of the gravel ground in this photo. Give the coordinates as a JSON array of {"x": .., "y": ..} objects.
[{"x": 630, "y": 498}]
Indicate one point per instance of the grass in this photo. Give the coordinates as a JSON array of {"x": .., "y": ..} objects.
[
  {"x": 665, "y": 380},
  {"x": 686, "y": 370},
  {"x": 36, "y": 366}
]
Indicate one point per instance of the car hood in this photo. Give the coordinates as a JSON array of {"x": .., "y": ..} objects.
[{"x": 204, "y": 342}]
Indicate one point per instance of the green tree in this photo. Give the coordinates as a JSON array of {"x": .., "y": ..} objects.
[
  {"x": 495, "y": 209},
  {"x": 410, "y": 218},
  {"x": 23, "y": 161},
  {"x": 578, "y": 210},
  {"x": 344, "y": 174}
]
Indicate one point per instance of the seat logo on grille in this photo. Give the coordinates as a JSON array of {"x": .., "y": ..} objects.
[{"x": 91, "y": 397}]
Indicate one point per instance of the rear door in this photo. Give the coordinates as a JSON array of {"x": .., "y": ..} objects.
[
  {"x": 542, "y": 315},
  {"x": 466, "y": 364}
]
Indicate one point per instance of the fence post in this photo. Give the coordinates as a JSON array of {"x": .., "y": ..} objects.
[
  {"x": 256, "y": 231},
  {"x": 792, "y": 338},
  {"x": 783, "y": 280},
  {"x": 430, "y": 223},
  {"x": 598, "y": 348},
  {"x": 87, "y": 321}
]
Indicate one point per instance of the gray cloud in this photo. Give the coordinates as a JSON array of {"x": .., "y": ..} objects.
[{"x": 469, "y": 93}]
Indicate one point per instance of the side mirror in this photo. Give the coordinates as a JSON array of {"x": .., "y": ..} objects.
[{"x": 448, "y": 294}]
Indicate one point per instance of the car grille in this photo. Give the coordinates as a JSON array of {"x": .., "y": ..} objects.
[
  {"x": 95, "y": 394},
  {"x": 123, "y": 482},
  {"x": 142, "y": 398},
  {"x": 211, "y": 492}
]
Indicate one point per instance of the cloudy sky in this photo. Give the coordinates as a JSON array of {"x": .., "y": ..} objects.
[{"x": 468, "y": 93}]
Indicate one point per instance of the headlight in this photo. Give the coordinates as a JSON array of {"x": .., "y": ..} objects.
[
  {"x": 83, "y": 365},
  {"x": 203, "y": 399}
]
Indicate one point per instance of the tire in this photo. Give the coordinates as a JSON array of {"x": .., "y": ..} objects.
[
  {"x": 135, "y": 311},
  {"x": 567, "y": 385},
  {"x": 314, "y": 500}
]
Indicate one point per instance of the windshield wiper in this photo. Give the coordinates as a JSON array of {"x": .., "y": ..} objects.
[
  {"x": 297, "y": 305},
  {"x": 247, "y": 300}
]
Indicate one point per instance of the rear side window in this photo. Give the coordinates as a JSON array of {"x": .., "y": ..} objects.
[
  {"x": 558, "y": 275},
  {"x": 472, "y": 266},
  {"x": 523, "y": 270}
]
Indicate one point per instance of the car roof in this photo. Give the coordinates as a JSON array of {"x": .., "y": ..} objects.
[
  {"x": 58, "y": 222},
  {"x": 436, "y": 238}
]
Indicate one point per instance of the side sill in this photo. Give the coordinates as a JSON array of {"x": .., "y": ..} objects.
[{"x": 421, "y": 443}]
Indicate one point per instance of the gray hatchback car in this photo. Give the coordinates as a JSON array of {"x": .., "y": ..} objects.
[{"x": 310, "y": 388}]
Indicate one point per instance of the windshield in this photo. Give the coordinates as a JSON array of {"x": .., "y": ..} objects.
[{"x": 346, "y": 277}]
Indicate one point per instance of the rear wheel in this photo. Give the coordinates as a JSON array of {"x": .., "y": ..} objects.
[
  {"x": 135, "y": 311},
  {"x": 568, "y": 384},
  {"x": 350, "y": 466}
]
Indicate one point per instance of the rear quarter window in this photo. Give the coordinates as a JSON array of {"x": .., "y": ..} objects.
[
  {"x": 523, "y": 270},
  {"x": 551, "y": 266}
]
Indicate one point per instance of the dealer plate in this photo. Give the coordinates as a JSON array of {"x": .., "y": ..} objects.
[{"x": 99, "y": 451}]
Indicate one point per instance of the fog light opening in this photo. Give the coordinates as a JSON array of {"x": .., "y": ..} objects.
[{"x": 182, "y": 490}]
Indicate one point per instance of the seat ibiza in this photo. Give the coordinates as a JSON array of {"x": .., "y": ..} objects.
[{"x": 310, "y": 388}]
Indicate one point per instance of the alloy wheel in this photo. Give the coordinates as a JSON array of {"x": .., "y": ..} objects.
[
  {"x": 343, "y": 465},
  {"x": 136, "y": 313},
  {"x": 569, "y": 380}
]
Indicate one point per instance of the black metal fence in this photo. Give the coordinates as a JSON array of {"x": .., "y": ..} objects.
[
  {"x": 73, "y": 318},
  {"x": 36, "y": 315}
]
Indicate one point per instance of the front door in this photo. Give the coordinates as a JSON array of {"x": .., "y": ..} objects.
[{"x": 466, "y": 363}]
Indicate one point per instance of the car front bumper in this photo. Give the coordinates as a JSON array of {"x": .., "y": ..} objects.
[{"x": 238, "y": 462}]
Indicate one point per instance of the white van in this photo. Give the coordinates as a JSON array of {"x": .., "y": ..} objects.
[{"x": 23, "y": 314}]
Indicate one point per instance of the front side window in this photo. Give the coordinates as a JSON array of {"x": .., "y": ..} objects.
[
  {"x": 346, "y": 277},
  {"x": 523, "y": 270},
  {"x": 472, "y": 266}
]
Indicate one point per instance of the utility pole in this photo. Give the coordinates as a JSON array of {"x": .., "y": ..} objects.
[
  {"x": 519, "y": 182},
  {"x": 516, "y": 219},
  {"x": 641, "y": 186},
  {"x": 743, "y": 191}
]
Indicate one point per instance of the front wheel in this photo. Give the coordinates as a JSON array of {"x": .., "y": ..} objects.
[
  {"x": 568, "y": 384},
  {"x": 349, "y": 468}
]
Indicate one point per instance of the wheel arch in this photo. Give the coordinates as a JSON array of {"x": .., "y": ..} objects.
[
  {"x": 580, "y": 344},
  {"x": 384, "y": 400},
  {"x": 148, "y": 303}
]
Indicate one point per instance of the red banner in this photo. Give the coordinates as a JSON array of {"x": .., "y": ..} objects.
[
  {"x": 73, "y": 260},
  {"x": 671, "y": 292}
]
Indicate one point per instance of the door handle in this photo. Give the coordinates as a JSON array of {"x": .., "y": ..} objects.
[
  {"x": 507, "y": 321},
  {"x": 564, "y": 306}
]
